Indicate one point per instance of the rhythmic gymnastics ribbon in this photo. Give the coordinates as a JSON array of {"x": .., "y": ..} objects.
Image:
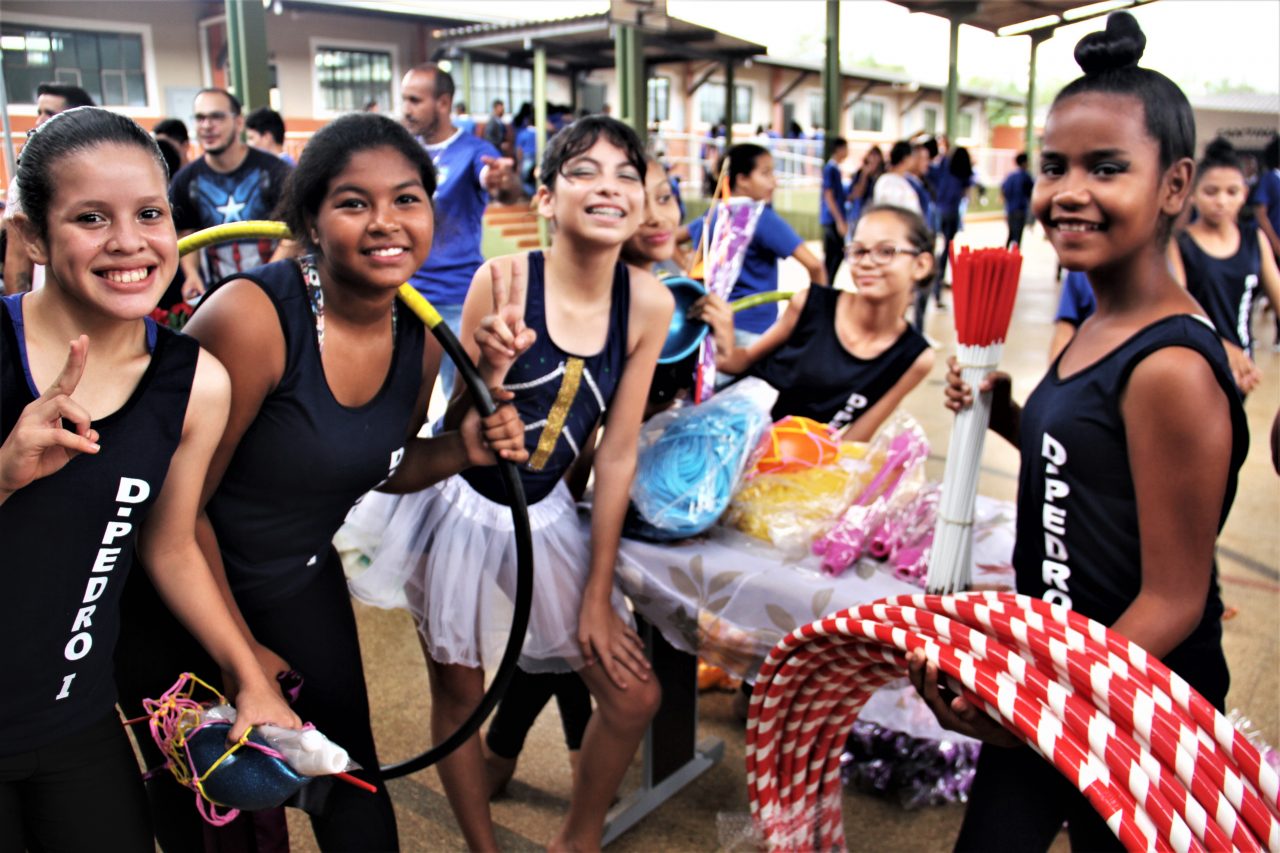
[
  {"x": 430, "y": 317},
  {"x": 984, "y": 284},
  {"x": 1158, "y": 762}
]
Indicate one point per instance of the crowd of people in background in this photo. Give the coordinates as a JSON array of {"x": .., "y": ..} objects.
[{"x": 301, "y": 385}]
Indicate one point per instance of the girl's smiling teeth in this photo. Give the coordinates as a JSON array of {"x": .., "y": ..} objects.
[
  {"x": 387, "y": 252},
  {"x": 606, "y": 210},
  {"x": 1077, "y": 226},
  {"x": 127, "y": 276}
]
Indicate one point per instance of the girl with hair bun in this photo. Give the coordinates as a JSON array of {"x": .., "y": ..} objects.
[
  {"x": 1134, "y": 438},
  {"x": 1221, "y": 263},
  {"x": 102, "y": 451}
]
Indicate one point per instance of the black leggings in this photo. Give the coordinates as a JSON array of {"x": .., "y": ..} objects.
[
  {"x": 81, "y": 793},
  {"x": 525, "y": 698},
  {"x": 832, "y": 251},
  {"x": 315, "y": 631}
]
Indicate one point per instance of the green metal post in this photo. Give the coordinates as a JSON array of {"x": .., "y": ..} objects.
[
  {"x": 953, "y": 82},
  {"x": 832, "y": 89},
  {"x": 540, "y": 125},
  {"x": 1029, "y": 137},
  {"x": 728, "y": 103},
  {"x": 622, "y": 68},
  {"x": 639, "y": 86},
  {"x": 466, "y": 82},
  {"x": 247, "y": 52}
]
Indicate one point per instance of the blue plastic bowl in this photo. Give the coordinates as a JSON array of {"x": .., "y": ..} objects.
[{"x": 685, "y": 334}]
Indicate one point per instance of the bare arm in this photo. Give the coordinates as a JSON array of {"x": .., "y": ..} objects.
[
  {"x": 238, "y": 325},
  {"x": 1264, "y": 225},
  {"x": 817, "y": 272},
  {"x": 1063, "y": 332},
  {"x": 602, "y": 635},
  {"x": 168, "y": 547},
  {"x": 733, "y": 359},
  {"x": 866, "y": 425},
  {"x": 1173, "y": 408},
  {"x": 193, "y": 285}
]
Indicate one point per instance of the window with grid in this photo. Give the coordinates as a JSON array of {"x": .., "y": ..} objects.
[
  {"x": 350, "y": 78},
  {"x": 929, "y": 119},
  {"x": 964, "y": 126},
  {"x": 659, "y": 99},
  {"x": 816, "y": 113},
  {"x": 711, "y": 103},
  {"x": 489, "y": 83},
  {"x": 868, "y": 116},
  {"x": 107, "y": 65}
]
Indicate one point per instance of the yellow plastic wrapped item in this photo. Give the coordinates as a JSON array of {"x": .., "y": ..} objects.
[{"x": 791, "y": 509}]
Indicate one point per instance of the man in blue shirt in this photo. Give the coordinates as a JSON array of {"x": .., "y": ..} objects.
[
  {"x": 468, "y": 171},
  {"x": 831, "y": 209},
  {"x": 1017, "y": 198}
]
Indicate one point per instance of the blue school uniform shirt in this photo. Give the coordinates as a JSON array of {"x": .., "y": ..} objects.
[
  {"x": 460, "y": 201},
  {"x": 831, "y": 180},
  {"x": 773, "y": 240},
  {"x": 1017, "y": 191},
  {"x": 1077, "y": 301},
  {"x": 1267, "y": 193}
]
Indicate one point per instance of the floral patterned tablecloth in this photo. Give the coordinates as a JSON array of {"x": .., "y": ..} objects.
[{"x": 729, "y": 597}]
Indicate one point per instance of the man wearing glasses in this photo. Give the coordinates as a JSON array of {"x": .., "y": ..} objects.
[{"x": 230, "y": 182}]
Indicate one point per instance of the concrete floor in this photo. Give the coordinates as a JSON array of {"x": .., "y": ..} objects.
[{"x": 711, "y": 814}]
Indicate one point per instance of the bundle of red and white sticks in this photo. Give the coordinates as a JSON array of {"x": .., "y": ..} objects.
[
  {"x": 1158, "y": 762},
  {"x": 984, "y": 283}
]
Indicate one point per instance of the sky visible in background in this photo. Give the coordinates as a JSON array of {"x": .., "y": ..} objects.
[{"x": 1200, "y": 44}]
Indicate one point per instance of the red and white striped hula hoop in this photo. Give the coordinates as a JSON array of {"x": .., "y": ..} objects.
[{"x": 1163, "y": 767}]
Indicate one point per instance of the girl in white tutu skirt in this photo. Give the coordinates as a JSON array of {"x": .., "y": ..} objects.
[{"x": 575, "y": 334}]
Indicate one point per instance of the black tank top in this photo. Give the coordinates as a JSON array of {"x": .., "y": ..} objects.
[
  {"x": 68, "y": 543},
  {"x": 818, "y": 378},
  {"x": 306, "y": 458},
  {"x": 560, "y": 396},
  {"x": 1077, "y": 529},
  {"x": 1224, "y": 286}
]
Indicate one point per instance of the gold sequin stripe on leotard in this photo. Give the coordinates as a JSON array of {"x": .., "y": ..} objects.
[{"x": 559, "y": 412}]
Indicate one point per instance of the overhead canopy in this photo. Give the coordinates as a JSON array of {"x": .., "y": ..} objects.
[
  {"x": 1016, "y": 17},
  {"x": 587, "y": 41}
]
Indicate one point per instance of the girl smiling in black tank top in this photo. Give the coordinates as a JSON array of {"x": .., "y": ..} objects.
[
  {"x": 844, "y": 358},
  {"x": 147, "y": 407},
  {"x": 1132, "y": 442}
]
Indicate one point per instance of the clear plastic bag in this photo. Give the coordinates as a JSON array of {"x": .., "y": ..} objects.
[
  {"x": 791, "y": 510},
  {"x": 306, "y": 750},
  {"x": 692, "y": 458}
]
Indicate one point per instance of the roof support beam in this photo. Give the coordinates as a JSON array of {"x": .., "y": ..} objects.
[
  {"x": 791, "y": 87},
  {"x": 860, "y": 94}
]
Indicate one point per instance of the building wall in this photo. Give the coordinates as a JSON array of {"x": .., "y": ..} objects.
[{"x": 1246, "y": 131}]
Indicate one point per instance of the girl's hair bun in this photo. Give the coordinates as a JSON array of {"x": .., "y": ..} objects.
[
  {"x": 1119, "y": 46},
  {"x": 1219, "y": 148},
  {"x": 1219, "y": 154}
]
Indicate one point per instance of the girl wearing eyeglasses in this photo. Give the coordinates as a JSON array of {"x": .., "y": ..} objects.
[{"x": 845, "y": 358}]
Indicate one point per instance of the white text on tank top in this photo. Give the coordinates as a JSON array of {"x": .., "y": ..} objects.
[
  {"x": 130, "y": 491},
  {"x": 1053, "y": 517}
]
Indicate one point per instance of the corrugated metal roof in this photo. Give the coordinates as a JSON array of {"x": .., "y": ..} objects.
[
  {"x": 892, "y": 78},
  {"x": 1239, "y": 102}
]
